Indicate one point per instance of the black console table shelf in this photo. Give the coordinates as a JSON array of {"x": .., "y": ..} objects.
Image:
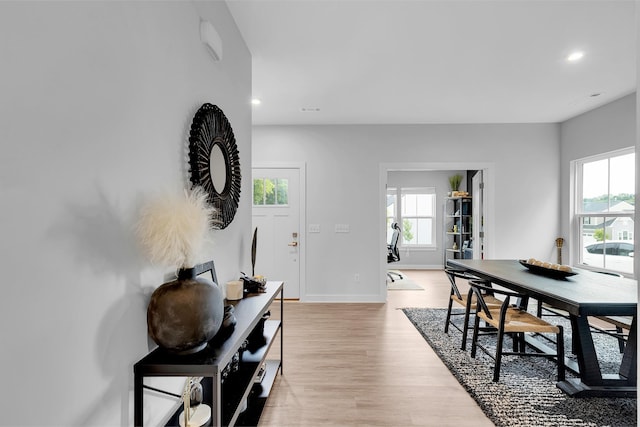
[{"x": 225, "y": 398}]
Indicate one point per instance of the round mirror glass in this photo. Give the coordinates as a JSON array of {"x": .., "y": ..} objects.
[{"x": 218, "y": 168}]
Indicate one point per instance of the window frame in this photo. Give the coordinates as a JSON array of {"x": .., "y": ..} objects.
[
  {"x": 399, "y": 192},
  {"x": 579, "y": 216}
]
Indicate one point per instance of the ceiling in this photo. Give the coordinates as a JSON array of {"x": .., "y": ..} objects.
[{"x": 427, "y": 61}]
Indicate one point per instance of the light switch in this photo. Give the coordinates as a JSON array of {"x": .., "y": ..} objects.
[
  {"x": 342, "y": 228},
  {"x": 314, "y": 228}
]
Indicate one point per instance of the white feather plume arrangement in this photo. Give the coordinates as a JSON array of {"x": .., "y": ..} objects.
[{"x": 173, "y": 228}]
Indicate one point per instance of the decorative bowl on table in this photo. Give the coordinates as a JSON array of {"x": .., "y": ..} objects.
[{"x": 555, "y": 271}]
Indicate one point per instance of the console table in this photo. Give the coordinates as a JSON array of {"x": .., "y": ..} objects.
[{"x": 225, "y": 398}]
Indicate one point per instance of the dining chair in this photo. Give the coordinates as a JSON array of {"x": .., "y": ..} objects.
[
  {"x": 515, "y": 321},
  {"x": 465, "y": 300}
]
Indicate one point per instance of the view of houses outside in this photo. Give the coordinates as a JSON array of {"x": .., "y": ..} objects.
[{"x": 607, "y": 209}]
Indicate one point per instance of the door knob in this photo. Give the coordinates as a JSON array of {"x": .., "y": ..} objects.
[{"x": 293, "y": 244}]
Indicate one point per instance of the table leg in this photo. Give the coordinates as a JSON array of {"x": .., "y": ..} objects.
[
  {"x": 591, "y": 382},
  {"x": 585, "y": 351},
  {"x": 137, "y": 401},
  {"x": 629, "y": 366},
  {"x": 216, "y": 407},
  {"x": 282, "y": 330}
]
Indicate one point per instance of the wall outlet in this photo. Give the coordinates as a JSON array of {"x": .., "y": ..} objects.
[{"x": 356, "y": 277}]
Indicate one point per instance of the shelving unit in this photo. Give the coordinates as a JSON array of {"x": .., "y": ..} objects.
[
  {"x": 224, "y": 397},
  {"x": 458, "y": 221}
]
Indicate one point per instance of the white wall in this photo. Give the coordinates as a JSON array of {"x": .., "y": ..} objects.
[
  {"x": 608, "y": 128},
  {"x": 429, "y": 258},
  {"x": 636, "y": 263},
  {"x": 97, "y": 100},
  {"x": 343, "y": 165}
]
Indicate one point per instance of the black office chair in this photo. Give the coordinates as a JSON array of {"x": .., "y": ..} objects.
[{"x": 393, "y": 254}]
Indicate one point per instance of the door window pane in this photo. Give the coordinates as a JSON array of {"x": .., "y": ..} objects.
[
  {"x": 258, "y": 192},
  {"x": 282, "y": 193},
  {"x": 270, "y": 191}
]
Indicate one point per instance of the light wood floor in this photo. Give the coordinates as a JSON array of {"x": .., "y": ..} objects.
[{"x": 366, "y": 365}]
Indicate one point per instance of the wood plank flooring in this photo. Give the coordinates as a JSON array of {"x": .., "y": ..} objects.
[{"x": 366, "y": 365}]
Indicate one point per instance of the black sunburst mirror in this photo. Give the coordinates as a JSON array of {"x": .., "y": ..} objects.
[{"x": 214, "y": 162}]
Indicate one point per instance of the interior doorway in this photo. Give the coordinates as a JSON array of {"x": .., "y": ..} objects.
[{"x": 443, "y": 168}]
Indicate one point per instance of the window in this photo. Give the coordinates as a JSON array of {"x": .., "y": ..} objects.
[
  {"x": 415, "y": 211},
  {"x": 270, "y": 191},
  {"x": 605, "y": 189}
]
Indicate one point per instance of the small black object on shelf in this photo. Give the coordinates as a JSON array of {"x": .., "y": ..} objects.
[
  {"x": 256, "y": 338},
  {"x": 252, "y": 285}
]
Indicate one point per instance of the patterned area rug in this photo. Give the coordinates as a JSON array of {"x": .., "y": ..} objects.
[{"x": 526, "y": 394}]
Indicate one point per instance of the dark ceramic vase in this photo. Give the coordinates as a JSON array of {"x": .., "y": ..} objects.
[{"x": 183, "y": 315}]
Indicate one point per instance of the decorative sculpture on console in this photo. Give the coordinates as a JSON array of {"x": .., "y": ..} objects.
[{"x": 185, "y": 314}]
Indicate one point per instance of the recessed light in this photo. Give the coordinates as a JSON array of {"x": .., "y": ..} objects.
[
  {"x": 575, "y": 56},
  {"x": 256, "y": 101}
]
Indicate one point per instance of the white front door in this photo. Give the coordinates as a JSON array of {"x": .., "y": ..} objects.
[{"x": 276, "y": 215}]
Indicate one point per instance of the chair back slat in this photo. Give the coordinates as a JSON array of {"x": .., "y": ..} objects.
[
  {"x": 451, "y": 275},
  {"x": 476, "y": 288}
]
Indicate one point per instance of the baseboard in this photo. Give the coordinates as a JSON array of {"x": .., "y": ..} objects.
[
  {"x": 416, "y": 267},
  {"x": 344, "y": 298}
]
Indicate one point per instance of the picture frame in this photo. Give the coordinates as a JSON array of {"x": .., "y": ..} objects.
[{"x": 206, "y": 267}]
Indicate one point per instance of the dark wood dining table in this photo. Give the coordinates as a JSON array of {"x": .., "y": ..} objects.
[{"x": 584, "y": 294}]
